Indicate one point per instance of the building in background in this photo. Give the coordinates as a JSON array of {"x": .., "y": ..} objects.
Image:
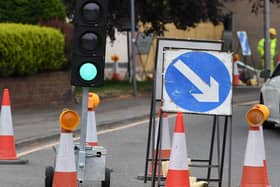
[{"x": 242, "y": 20}]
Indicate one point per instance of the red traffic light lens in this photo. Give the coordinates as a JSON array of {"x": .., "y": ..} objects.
[{"x": 91, "y": 12}]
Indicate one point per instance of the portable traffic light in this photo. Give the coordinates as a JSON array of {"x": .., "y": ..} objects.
[{"x": 88, "y": 59}]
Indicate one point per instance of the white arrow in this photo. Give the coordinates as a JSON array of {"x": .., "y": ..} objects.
[{"x": 209, "y": 93}]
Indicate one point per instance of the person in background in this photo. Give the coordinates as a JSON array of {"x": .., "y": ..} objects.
[{"x": 273, "y": 49}]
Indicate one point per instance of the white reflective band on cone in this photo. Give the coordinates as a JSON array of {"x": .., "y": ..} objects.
[
  {"x": 179, "y": 156},
  {"x": 6, "y": 124},
  {"x": 253, "y": 150},
  {"x": 65, "y": 158},
  {"x": 91, "y": 127},
  {"x": 235, "y": 69},
  {"x": 262, "y": 143},
  {"x": 165, "y": 145}
]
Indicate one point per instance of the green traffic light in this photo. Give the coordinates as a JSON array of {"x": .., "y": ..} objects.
[{"x": 88, "y": 71}]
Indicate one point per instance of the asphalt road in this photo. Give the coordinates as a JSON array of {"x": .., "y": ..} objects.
[
  {"x": 126, "y": 153},
  {"x": 126, "y": 150}
]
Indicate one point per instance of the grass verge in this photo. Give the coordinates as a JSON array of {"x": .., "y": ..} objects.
[{"x": 118, "y": 88}]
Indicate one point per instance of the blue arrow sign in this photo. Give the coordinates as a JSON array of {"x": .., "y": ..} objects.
[
  {"x": 244, "y": 43},
  {"x": 197, "y": 81}
]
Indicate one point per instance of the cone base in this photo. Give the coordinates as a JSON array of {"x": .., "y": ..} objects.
[
  {"x": 150, "y": 173},
  {"x": 165, "y": 154},
  {"x": 253, "y": 177},
  {"x": 265, "y": 174},
  {"x": 177, "y": 178},
  {"x": 65, "y": 179},
  {"x": 92, "y": 143},
  {"x": 236, "y": 80},
  {"x": 253, "y": 185},
  {"x": 116, "y": 76},
  {"x": 7, "y": 148}
]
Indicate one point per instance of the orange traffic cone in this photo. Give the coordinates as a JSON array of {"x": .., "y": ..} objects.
[
  {"x": 253, "y": 168},
  {"x": 65, "y": 168},
  {"x": 165, "y": 142},
  {"x": 264, "y": 157},
  {"x": 236, "y": 79},
  {"x": 93, "y": 102},
  {"x": 7, "y": 142},
  {"x": 178, "y": 169},
  {"x": 116, "y": 75}
]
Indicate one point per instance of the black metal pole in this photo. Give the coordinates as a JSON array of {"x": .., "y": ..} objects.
[
  {"x": 223, "y": 151},
  {"x": 157, "y": 149},
  {"x": 133, "y": 43},
  {"x": 128, "y": 56},
  {"x": 211, "y": 148},
  {"x": 218, "y": 142},
  {"x": 229, "y": 152},
  {"x": 151, "y": 124}
]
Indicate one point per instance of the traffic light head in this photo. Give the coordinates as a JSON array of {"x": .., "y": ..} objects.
[
  {"x": 88, "y": 59},
  {"x": 89, "y": 72}
]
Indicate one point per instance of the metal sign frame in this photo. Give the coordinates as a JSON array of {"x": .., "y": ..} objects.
[
  {"x": 156, "y": 99},
  {"x": 166, "y": 43},
  {"x": 220, "y": 65}
]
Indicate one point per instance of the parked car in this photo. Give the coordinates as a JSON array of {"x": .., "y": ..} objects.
[{"x": 270, "y": 96}]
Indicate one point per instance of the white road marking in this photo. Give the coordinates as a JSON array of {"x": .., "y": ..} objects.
[
  {"x": 247, "y": 103},
  {"x": 41, "y": 147},
  {"x": 50, "y": 145}
]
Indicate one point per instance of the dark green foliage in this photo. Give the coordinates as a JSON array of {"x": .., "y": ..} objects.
[
  {"x": 31, "y": 11},
  {"x": 183, "y": 13},
  {"x": 180, "y": 12},
  {"x": 259, "y": 4},
  {"x": 28, "y": 49}
]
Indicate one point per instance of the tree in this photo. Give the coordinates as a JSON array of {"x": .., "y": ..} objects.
[
  {"x": 258, "y": 4},
  {"x": 183, "y": 13}
]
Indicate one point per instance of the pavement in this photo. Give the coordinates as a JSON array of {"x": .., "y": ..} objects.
[{"x": 32, "y": 125}]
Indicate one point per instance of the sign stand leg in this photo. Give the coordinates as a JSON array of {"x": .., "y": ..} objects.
[
  {"x": 218, "y": 142},
  {"x": 223, "y": 151},
  {"x": 220, "y": 153},
  {"x": 211, "y": 148},
  {"x": 157, "y": 161},
  {"x": 151, "y": 134},
  {"x": 229, "y": 151},
  {"x": 151, "y": 131}
]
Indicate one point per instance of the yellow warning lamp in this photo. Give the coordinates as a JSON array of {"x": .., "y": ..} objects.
[
  {"x": 257, "y": 115},
  {"x": 69, "y": 119},
  {"x": 93, "y": 101},
  {"x": 236, "y": 57},
  {"x": 115, "y": 58}
]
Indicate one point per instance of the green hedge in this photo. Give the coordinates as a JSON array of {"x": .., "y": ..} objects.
[
  {"x": 31, "y": 11},
  {"x": 28, "y": 49}
]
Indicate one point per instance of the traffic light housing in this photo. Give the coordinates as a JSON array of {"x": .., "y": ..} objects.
[{"x": 89, "y": 42}]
